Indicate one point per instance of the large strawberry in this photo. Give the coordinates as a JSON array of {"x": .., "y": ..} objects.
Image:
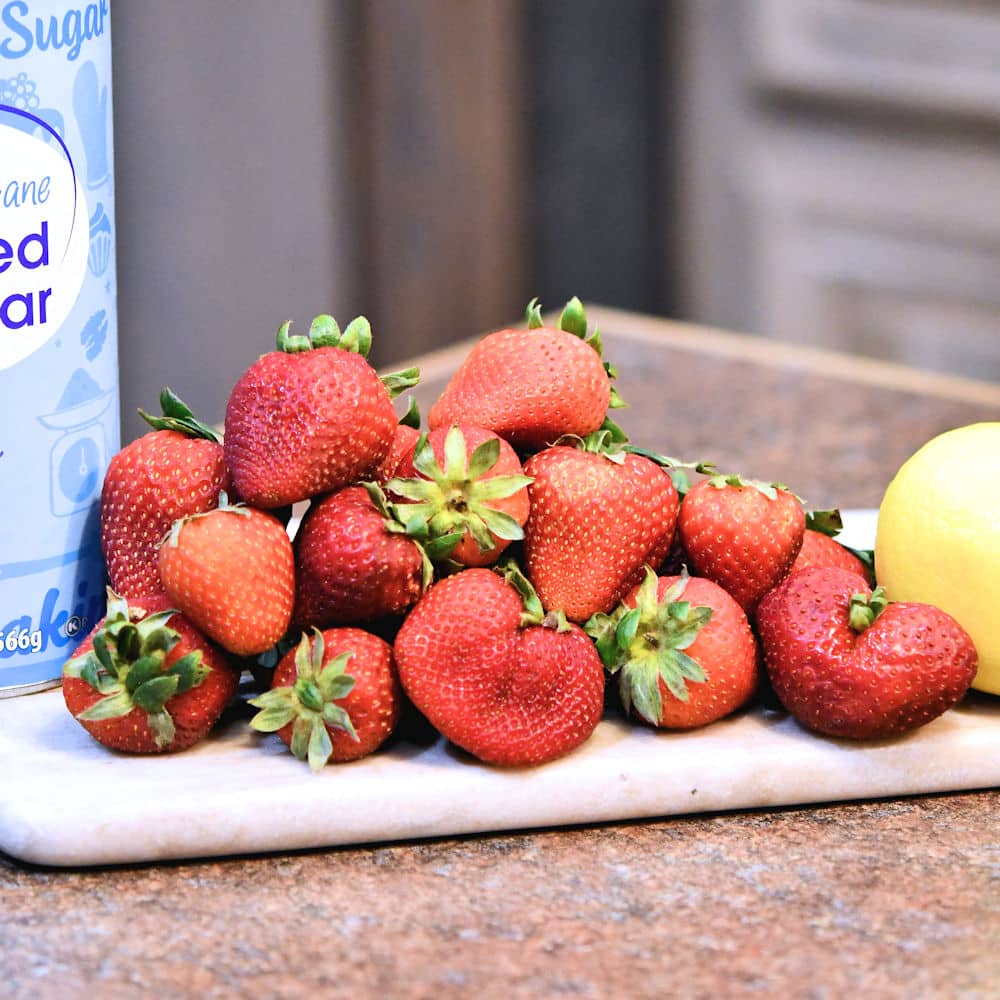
[
  {"x": 354, "y": 562},
  {"x": 171, "y": 471},
  {"x": 682, "y": 649},
  {"x": 335, "y": 697},
  {"x": 598, "y": 517},
  {"x": 231, "y": 571},
  {"x": 463, "y": 491},
  {"x": 146, "y": 680},
  {"x": 310, "y": 417},
  {"x": 742, "y": 534},
  {"x": 531, "y": 386},
  {"x": 497, "y": 676},
  {"x": 848, "y": 663}
]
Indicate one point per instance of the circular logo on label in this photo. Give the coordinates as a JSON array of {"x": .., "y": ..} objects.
[{"x": 44, "y": 235}]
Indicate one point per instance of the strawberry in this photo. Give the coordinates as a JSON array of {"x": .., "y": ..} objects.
[
  {"x": 311, "y": 417},
  {"x": 463, "y": 491},
  {"x": 354, "y": 562},
  {"x": 683, "y": 651},
  {"x": 494, "y": 674},
  {"x": 333, "y": 698},
  {"x": 171, "y": 471},
  {"x": 146, "y": 680},
  {"x": 598, "y": 516},
  {"x": 231, "y": 571},
  {"x": 531, "y": 386},
  {"x": 848, "y": 663},
  {"x": 741, "y": 534},
  {"x": 404, "y": 440},
  {"x": 821, "y": 548}
]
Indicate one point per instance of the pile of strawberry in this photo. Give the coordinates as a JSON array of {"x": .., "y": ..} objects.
[{"x": 490, "y": 572}]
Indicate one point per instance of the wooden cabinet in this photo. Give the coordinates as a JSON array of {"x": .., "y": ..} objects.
[{"x": 842, "y": 182}]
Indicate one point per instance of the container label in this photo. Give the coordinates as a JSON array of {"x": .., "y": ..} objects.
[{"x": 58, "y": 343}]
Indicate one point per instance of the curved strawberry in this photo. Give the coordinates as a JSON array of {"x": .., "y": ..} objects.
[
  {"x": 682, "y": 649},
  {"x": 510, "y": 685},
  {"x": 175, "y": 469},
  {"x": 463, "y": 493},
  {"x": 531, "y": 386},
  {"x": 146, "y": 681},
  {"x": 231, "y": 571},
  {"x": 354, "y": 562},
  {"x": 848, "y": 663},
  {"x": 335, "y": 697},
  {"x": 309, "y": 418},
  {"x": 597, "y": 519},
  {"x": 741, "y": 534}
]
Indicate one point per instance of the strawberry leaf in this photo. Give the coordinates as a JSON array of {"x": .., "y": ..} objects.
[
  {"x": 573, "y": 318},
  {"x": 114, "y": 706},
  {"x": 162, "y": 728},
  {"x": 336, "y": 716},
  {"x": 396, "y": 383},
  {"x": 320, "y": 746},
  {"x": 153, "y": 694}
]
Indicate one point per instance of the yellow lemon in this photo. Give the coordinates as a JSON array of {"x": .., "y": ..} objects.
[{"x": 938, "y": 536}]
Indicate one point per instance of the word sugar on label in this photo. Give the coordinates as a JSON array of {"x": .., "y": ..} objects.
[{"x": 58, "y": 329}]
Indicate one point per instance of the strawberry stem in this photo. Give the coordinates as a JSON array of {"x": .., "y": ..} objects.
[{"x": 864, "y": 609}]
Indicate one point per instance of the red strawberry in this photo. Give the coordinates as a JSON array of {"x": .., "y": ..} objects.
[
  {"x": 683, "y": 651},
  {"x": 509, "y": 693},
  {"x": 309, "y": 418},
  {"x": 232, "y": 573},
  {"x": 820, "y": 547},
  {"x": 462, "y": 489},
  {"x": 822, "y": 550},
  {"x": 847, "y": 663},
  {"x": 741, "y": 534},
  {"x": 596, "y": 520},
  {"x": 531, "y": 386},
  {"x": 336, "y": 697},
  {"x": 353, "y": 561},
  {"x": 404, "y": 440},
  {"x": 174, "y": 470},
  {"x": 146, "y": 680}
]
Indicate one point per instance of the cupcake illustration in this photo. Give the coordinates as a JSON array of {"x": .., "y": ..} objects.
[{"x": 100, "y": 241}]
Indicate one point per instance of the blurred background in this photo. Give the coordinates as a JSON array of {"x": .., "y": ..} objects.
[{"x": 819, "y": 171}]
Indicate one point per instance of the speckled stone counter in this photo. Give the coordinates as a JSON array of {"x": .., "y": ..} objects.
[{"x": 886, "y": 898}]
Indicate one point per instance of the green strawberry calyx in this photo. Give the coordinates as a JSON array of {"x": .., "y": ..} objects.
[
  {"x": 573, "y": 319},
  {"x": 647, "y": 643},
  {"x": 177, "y": 416},
  {"x": 356, "y": 337},
  {"x": 447, "y": 503},
  {"x": 393, "y": 522},
  {"x": 126, "y": 666},
  {"x": 310, "y": 704},
  {"x": 769, "y": 490},
  {"x": 533, "y": 613},
  {"x": 864, "y": 609}
]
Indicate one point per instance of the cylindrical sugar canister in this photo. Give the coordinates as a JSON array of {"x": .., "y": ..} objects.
[{"x": 58, "y": 329}]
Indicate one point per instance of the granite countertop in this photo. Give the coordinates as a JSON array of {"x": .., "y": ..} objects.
[{"x": 886, "y": 898}]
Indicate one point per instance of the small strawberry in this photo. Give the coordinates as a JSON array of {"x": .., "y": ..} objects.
[
  {"x": 334, "y": 698},
  {"x": 310, "y": 417},
  {"x": 463, "y": 491},
  {"x": 231, "y": 571},
  {"x": 494, "y": 674},
  {"x": 848, "y": 663},
  {"x": 741, "y": 534},
  {"x": 598, "y": 516},
  {"x": 683, "y": 651},
  {"x": 171, "y": 471},
  {"x": 532, "y": 386},
  {"x": 354, "y": 562},
  {"x": 821, "y": 548},
  {"x": 146, "y": 680},
  {"x": 404, "y": 440}
]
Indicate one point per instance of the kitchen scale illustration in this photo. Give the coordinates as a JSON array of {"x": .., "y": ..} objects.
[{"x": 80, "y": 453}]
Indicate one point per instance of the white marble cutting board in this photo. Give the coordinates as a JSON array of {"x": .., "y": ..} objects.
[{"x": 65, "y": 800}]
